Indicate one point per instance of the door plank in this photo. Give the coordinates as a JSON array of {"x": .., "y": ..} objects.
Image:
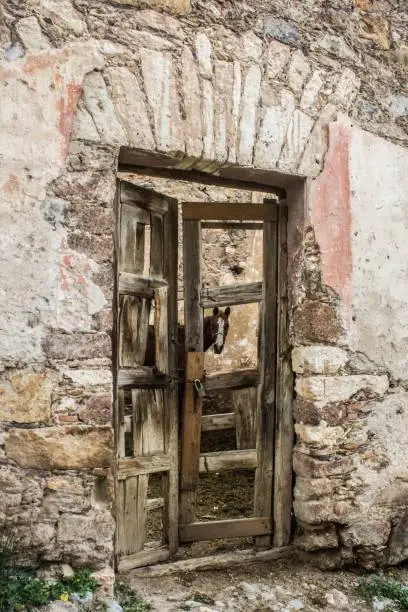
[
  {"x": 229, "y": 211},
  {"x": 148, "y": 422},
  {"x": 229, "y": 295},
  {"x": 232, "y": 380},
  {"x": 245, "y": 402},
  {"x": 284, "y": 390},
  {"x": 132, "y": 238},
  {"x": 143, "y": 558},
  {"x": 266, "y": 416},
  {"x": 144, "y": 286},
  {"x": 214, "y": 422},
  {"x": 233, "y": 528},
  {"x": 191, "y": 432},
  {"x": 225, "y": 461},
  {"x": 136, "y": 466},
  {"x": 161, "y": 331},
  {"x": 133, "y": 330}
]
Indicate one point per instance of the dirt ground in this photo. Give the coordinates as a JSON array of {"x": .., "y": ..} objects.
[{"x": 282, "y": 586}]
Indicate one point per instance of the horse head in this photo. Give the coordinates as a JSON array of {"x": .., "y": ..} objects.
[{"x": 216, "y": 329}]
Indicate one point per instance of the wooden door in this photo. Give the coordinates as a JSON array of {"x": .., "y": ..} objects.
[
  {"x": 255, "y": 417},
  {"x": 146, "y": 385}
]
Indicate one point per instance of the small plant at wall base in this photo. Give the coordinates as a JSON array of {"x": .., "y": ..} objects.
[
  {"x": 19, "y": 587},
  {"x": 129, "y": 599},
  {"x": 380, "y": 586}
]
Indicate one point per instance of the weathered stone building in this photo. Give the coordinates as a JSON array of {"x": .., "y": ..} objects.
[{"x": 307, "y": 96}]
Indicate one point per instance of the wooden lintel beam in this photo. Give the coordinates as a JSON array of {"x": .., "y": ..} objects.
[{"x": 195, "y": 176}]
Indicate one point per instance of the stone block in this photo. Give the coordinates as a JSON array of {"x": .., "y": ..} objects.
[
  {"x": 97, "y": 410},
  {"x": 319, "y": 435},
  {"x": 25, "y": 395},
  {"x": 329, "y": 389},
  {"x": 337, "y": 46},
  {"x": 64, "y": 16},
  {"x": 310, "y": 467},
  {"x": 89, "y": 379},
  {"x": 317, "y": 539},
  {"x": 398, "y": 546},
  {"x": 60, "y": 448},
  {"x": 347, "y": 88},
  {"x": 78, "y": 346},
  {"x": 281, "y": 30},
  {"x": 318, "y": 359},
  {"x": 276, "y": 114},
  {"x": 297, "y": 135},
  {"x": 316, "y": 512},
  {"x": 276, "y": 59},
  {"x": 311, "y": 91},
  {"x": 130, "y": 107},
  {"x": 340, "y": 388},
  {"x": 373, "y": 533},
  {"x": 247, "y": 125},
  {"x": 298, "y": 71},
  {"x": 316, "y": 322},
  {"x": 311, "y": 163},
  {"x": 161, "y": 90},
  {"x": 192, "y": 104},
  {"x": 178, "y": 7},
  {"x": 99, "y": 105},
  {"x": 65, "y": 494},
  {"x": 29, "y": 32},
  {"x": 312, "y": 488},
  {"x": 86, "y": 539}
]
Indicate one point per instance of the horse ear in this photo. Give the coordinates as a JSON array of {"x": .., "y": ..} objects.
[
  {"x": 216, "y": 311},
  {"x": 227, "y": 311}
]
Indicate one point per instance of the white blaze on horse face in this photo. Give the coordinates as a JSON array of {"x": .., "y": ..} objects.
[{"x": 219, "y": 338}]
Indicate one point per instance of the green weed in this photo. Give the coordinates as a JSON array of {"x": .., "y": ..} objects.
[
  {"x": 380, "y": 586},
  {"x": 129, "y": 599}
]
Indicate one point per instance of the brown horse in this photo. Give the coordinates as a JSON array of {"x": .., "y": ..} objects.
[{"x": 215, "y": 331}]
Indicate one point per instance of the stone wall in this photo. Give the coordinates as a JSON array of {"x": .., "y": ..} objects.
[{"x": 209, "y": 83}]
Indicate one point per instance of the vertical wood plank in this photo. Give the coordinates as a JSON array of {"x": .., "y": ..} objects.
[
  {"x": 282, "y": 497},
  {"x": 245, "y": 402},
  {"x": 148, "y": 422},
  {"x": 161, "y": 330},
  {"x": 133, "y": 330},
  {"x": 121, "y": 452},
  {"x": 132, "y": 238},
  {"x": 266, "y": 411},
  {"x": 193, "y": 318},
  {"x": 170, "y": 480},
  {"x": 157, "y": 246},
  {"x": 191, "y": 438},
  {"x": 193, "y": 314}
]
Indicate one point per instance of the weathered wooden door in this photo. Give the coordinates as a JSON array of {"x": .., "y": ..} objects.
[
  {"x": 263, "y": 394},
  {"x": 146, "y": 402}
]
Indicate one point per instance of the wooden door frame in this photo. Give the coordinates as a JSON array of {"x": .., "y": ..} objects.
[
  {"x": 284, "y": 431},
  {"x": 273, "y": 482}
]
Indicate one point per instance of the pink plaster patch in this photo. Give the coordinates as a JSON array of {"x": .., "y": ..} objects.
[
  {"x": 331, "y": 213},
  {"x": 66, "y": 105}
]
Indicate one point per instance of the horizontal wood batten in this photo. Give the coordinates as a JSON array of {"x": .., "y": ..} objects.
[
  {"x": 140, "y": 285},
  {"x": 216, "y": 562},
  {"x": 226, "y": 461},
  {"x": 244, "y": 293},
  {"x": 229, "y": 211},
  {"x": 143, "y": 558},
  {"x": 232, "y": 380},
  {"x": 228, "y": 225},
  {"x": 135, "y": 466},
  {"x": 233, "y": 528},
  {"x": 144, "y": 376},
  {"x": 213, "y": 422}
]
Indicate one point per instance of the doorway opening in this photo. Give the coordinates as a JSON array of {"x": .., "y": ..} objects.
[{"x": 203, "y": 436}]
